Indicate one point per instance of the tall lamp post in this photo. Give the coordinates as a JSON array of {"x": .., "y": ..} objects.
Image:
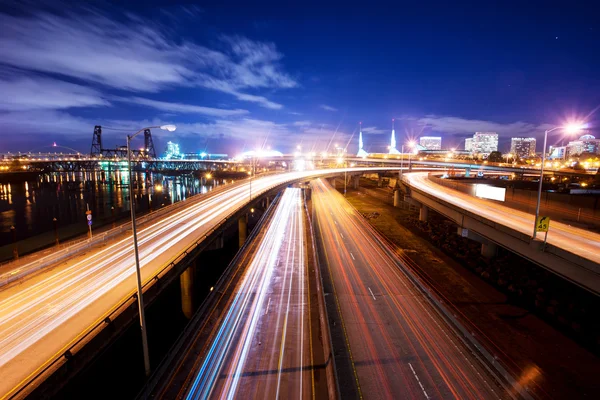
[
  {"x": 571, "y": 128},
  {"x": 169, "y": 128}
]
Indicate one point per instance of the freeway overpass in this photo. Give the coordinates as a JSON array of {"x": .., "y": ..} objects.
[
  {"x": 570, "y": 252},
  {"x": 47, "y": 318}
]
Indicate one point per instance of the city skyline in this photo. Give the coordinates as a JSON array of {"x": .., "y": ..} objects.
[{"x": 244, "y": 84}]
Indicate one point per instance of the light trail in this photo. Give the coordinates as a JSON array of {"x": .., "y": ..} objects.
[
  {"x": 40, "y": 316},
  {"x": 400, "y": 346},
  {"x": 240, "y": 360},
  {"x": 578, "y": 241}
]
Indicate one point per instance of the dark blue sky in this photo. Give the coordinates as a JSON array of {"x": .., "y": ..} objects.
[{"x": 235, "y": 76}]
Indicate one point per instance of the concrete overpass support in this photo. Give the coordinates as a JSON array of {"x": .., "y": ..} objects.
[
  {"x": 217, "y": 243},
  {"x": 379, "y": 181},
  {"x": 489, "y": 250},
  {"x": 186, "y": 282},
  {"x": 355, "y": 182},
  {"x": 243, "y": 229},
  {"x": 423, "y": 213},
  {"x": 397, "y": 198}
]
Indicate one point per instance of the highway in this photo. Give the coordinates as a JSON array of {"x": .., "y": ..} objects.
[
  {"x": 261, "y": 346},
  {"x": 43, "y": 315},
  {"x": 578, "y": 241},
  {"x": 399, "y": 345}
]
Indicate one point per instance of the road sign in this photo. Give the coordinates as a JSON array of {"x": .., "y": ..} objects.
[
  {"x": 542, "y": 223},
  {"x": 88, "y": 212},
  {"x": 89, "y": 217},
  {"x": 90, "y": 222}
]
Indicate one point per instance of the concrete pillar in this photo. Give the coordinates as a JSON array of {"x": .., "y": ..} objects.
[
  {"x": 423, "y": 213},
  {"x": 488, "y": 250},
  {"x": 267, "y": 202},
  {"x": 217, "y": 243},
  {"x": 186, "y": 282},
  {"x": 380, "y": 182},
  {"x": 243, "y": 229},
  {"x": 355, "y": 182},
  {"x": 397, "y": 197}
]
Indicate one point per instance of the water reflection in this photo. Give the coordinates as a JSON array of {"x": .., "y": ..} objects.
[{"x": 30, "y": 206}]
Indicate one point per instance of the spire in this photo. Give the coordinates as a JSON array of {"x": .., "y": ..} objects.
[
  {"x": 361, "y": 151},
  {"x": 360, "y": 141},
  {"x": 393, "y": 142},
  {"x": 393, "y": 149}
]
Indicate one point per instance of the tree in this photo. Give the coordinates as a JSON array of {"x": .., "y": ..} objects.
[{"x": 495, "y": 156}]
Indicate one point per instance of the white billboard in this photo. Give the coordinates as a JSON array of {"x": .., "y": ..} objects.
[{"x": 490, "y": 192}]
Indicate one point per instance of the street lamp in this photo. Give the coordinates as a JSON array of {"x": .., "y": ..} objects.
[
  {"x": 571, "y": 128},
  {"x": 169, "y": 128}
]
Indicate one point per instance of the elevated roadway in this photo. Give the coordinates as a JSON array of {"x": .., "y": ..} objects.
[
  {"x": 570, "y": 252},
  {"x": 47, "y": 318}
]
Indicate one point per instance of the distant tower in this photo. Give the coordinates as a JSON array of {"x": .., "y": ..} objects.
[
  {"x": 96, "y": 142},
  {"x": 361, "y": 151},
  {"x": 149, "y": 144},
  {"x": 393, "y": 149}
]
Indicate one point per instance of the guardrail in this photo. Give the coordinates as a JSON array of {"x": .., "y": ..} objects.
[{"x": 30, "y": 382}]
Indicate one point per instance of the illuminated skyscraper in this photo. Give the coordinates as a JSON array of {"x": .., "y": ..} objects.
[
  {"x": 522, "y": 147},
  {"x": 431, "y": 142},
  {"x": 483, "y": 143}
]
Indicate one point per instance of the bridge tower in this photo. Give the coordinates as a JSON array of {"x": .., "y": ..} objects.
[
  {"x": 149, "y": 144},
  {"x": 96, "y": 142}
]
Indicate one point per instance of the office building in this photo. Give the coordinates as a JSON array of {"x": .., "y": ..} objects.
[
  {"x": 557, "y": 152},
  {"x": 431, "y": 142},
  {"x": 483, "y": 143},
  {"x": 522, "y": 147},
  {"x": 469, "y": 144},
  {"x": 585, "y": 144}
]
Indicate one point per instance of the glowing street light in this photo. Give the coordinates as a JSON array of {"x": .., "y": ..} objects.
[
  {"x": 569, "y": 128},
  {"x": 169, "y": 128}
]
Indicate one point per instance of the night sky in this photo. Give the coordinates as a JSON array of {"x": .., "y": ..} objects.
[{"x": 234, "y": 77}]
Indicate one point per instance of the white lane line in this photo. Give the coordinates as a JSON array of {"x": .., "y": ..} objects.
[
  {"x": 335, "y": 222},
  {"x": 418, "y": 380},
  {"x": 341, "y": 235},
  {"x": 352, "y": 255},
  {"x": 372, "y": 293},
  {"x": 268, "y": 304}
]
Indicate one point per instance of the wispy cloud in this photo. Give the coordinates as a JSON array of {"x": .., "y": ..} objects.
[
  {"x": 463, "y": 126},
  {"x": 21, "y": 93},
  {"x": 328, "y": 108},
  {"x": 374, "y": 130},
  {"x": 182, "y": 108},
  {"x": 135, "y": 55},
  {"x": 302, "y": 123}
]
